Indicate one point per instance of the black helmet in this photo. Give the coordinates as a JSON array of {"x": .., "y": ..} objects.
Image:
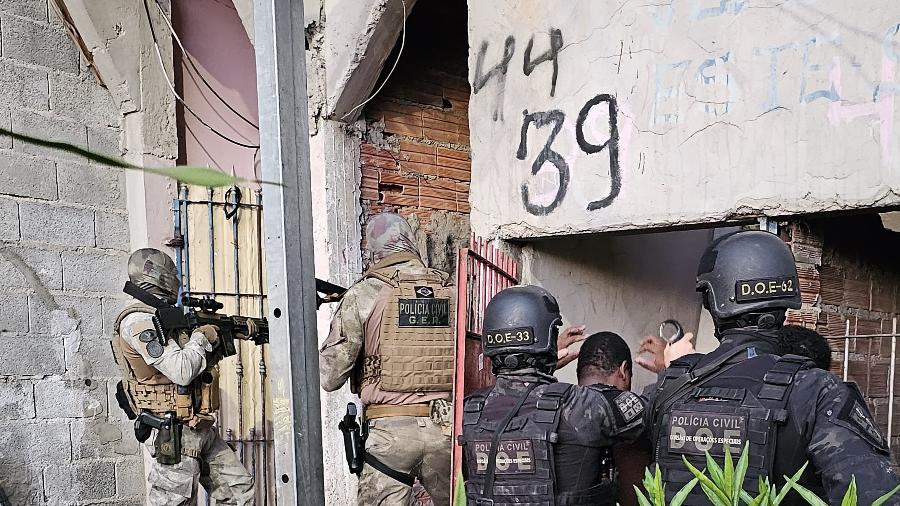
[
  {"x": 521, "y": 320},
  {"x": 751, "y": 271}
]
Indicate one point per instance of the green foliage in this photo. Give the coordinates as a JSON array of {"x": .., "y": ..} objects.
[
  {"x": 723, "y": 486},
  {"x": 459, "y": 491},
  {"x": 200, "y": 176}
]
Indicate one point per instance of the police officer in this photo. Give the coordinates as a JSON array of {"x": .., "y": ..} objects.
[
  {"x": 175, "y": 376},
  {"x": 530, "y": 438},
  {"x": 393, "y": 337},
  {"x": 743, "y": 393}
]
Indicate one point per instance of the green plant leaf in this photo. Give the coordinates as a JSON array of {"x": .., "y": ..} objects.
[
  {"x": 715, "y": 473},
  {"x": 709, "y": 488},
  {"x": 642, "y": 500},
  {"x": 809, "y": 495},
  {"x": 883, "y": 499},
  {"x": 850, "y": 496},
  {"x": 659, "y": 488},
  {"x": 727, "y": 484},
  {"x": 201, "y": 176},
  {"x": 682, "y": 494},
  {"x": 740, "y": 472},
  {"x": 788, "y": 485},
  {"x": 459, "y": 492}
]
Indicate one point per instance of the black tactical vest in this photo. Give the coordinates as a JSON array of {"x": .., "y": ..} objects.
[
  {"x": 738, "y": 404},
  {"x": 524, "y": 472}
]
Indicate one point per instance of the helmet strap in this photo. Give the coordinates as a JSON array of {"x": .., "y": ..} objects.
[
  {"x": 769, "y": 320},
  {"x": 517, "y": 361}
]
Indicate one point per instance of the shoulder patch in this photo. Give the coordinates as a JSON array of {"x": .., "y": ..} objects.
[
  {"x": 629, "y": 405},
  {"x": 154, "y": 349},
  {"x": 854, "y": 414},
  {"x": 147, "y": 336}
]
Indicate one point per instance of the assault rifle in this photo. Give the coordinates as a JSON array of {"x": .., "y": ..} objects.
[{"x": 202, "y": 312}]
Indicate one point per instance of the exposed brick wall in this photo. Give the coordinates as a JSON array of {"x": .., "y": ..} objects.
[
  {"x": 415, "y": 153},
  {"x": 849, "y": 274},
  {"x": 63, "y": 247}
]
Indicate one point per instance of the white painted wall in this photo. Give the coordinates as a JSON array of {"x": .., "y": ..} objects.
[
  {"x": 724, "y": 109},
  {"x": 626, "y": 284}
]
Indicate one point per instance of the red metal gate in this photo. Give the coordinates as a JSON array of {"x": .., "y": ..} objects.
[{"x": 481, "y": 272}]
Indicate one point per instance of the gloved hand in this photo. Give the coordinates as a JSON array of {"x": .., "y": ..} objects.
[{"x": 210, "y": 332}]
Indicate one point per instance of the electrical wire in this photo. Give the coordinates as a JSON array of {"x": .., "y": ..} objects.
[
  {"x": 175, "y": 93},
  {"x": 197, "y": 72},
  {"x": 400, "y": 52}
]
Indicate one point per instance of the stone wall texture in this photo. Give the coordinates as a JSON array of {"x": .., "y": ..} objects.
[{"x": 63, "y": 248}]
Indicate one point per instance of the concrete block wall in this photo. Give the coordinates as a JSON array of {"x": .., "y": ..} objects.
[
  {"x": 849, "y": 273},
  {"x": 63, "y": 248}
]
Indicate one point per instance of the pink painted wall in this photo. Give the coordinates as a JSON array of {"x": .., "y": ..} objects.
[{"x": 214, "y": 37}]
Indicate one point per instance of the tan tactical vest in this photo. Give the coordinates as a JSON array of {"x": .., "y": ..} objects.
[
  {"x": 417, "y": 335},
  {"x": 148, "y": 389}
]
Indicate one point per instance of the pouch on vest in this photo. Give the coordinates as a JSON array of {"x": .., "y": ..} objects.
[
  {"x": 718, "y": 417},
  {"x": 417, "y": 335},
  {"x": 524, "y": 460}
]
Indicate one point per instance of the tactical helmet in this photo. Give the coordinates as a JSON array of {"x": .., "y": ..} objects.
[
  {"x": 751, "y": 271},
  {"x": 151, "y": 267},
  {"x": 521, "y": 319}
]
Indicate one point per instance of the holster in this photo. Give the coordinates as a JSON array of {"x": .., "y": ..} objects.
[
  {"x": 354, "y": 442},
  {"x": 167, "y": 445}
]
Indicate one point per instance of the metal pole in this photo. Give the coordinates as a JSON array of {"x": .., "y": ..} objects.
[
  {"x": 284, "y": 149},
  {"x": 891, "y": 380},
  {"x": 847, "y": 349}
]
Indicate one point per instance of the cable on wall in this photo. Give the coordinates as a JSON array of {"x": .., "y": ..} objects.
[
  {"x": 400, "y": 52},
  {"x": 175, "y": 93},
  {"x": 197, "y": 72}
]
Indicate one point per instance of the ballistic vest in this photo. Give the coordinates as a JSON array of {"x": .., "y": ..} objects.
[
  {"x": 417, "y": 337},
  {"x": 508, "y": 449},
  {"x": 737, "y": 404},
  {"x": 144, "y": 388}
]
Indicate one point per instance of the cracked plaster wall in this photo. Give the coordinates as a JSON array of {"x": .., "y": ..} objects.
[{"x": 723, "y": 109}]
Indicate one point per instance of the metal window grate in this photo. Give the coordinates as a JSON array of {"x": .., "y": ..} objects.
[{"x": 220, "y": 253}]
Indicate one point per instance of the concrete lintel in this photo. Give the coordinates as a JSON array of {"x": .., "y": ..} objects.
[
  {"x": 244, "y": 9},
  {"x": 359, "y": 35}
]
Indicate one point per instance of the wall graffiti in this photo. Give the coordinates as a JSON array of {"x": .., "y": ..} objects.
[
  {"x": 688, "y": 111},
  {"x": 555, "y": 118}
]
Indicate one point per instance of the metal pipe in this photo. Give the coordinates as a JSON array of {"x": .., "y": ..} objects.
[
  {"x": 890, "y": 422},
  {"x": 176, "y": 220},
  {"x": 187, "y": 250},
  {"x": 262, "y": 351},
  {"x": 212, "y": 243},
  {"x": 846, "y": 349},
  {"x": 239, "y": 366}
]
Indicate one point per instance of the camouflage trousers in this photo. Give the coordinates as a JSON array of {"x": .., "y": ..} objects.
[
  {"x": 206, "y": 460},
  {"x": 414, "y": 445}
]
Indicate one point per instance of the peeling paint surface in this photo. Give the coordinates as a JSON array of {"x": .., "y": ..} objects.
[{"x": 601, "y": 116}]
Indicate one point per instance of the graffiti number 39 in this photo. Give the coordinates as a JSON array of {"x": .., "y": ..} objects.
[{"x": 556, "y": 118}]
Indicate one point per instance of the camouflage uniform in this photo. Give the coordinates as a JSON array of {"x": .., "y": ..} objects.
[
  {"x": 836, "y": 432},
  {"x": 415, "y": 445},
  {"x": 206, "y": 458}
]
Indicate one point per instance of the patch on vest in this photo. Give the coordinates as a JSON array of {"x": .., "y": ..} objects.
[
  {"x": 857, "y": 416},
  {"x": 425, "y": 292},
  {"x": 424, "y": 312},
  {"x": 513, "y": 456},
  {"x": 509, "y": 337},
  {"x": 629, "y": 405},
  {"x": 147, "y": 336},
  {"x": 154, "y": 349},
  {"x": 763, "y": 289},
  {"x": 695, "y": 432}
]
